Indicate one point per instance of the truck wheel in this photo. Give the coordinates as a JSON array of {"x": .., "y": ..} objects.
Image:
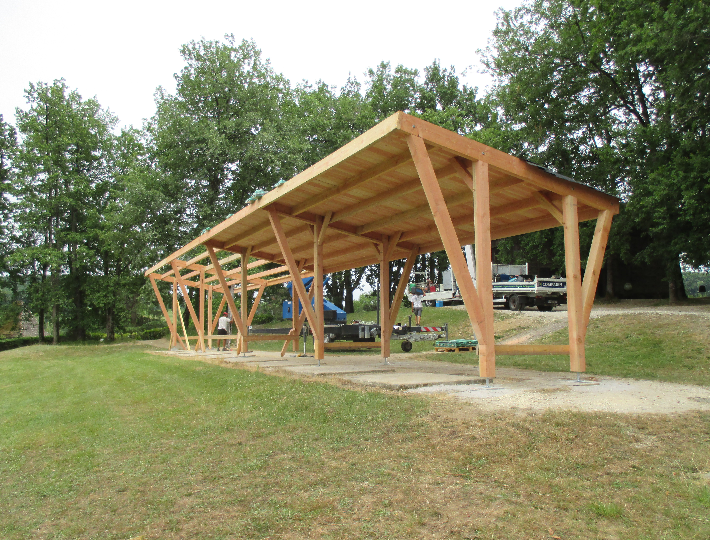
[
  {"x": 406, "y": 346},
  {"x": 515, "y": 303},
  {"x": 545, "y": 308}
]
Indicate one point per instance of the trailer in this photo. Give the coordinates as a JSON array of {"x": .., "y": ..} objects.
[{"x": 365, "y": 333}]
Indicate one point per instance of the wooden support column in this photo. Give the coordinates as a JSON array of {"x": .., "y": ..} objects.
[
  {"x": 171, "y": 324},
  {"x": 173, "y": 338},
  {"x": 244, "y": 301},
  {"x": 442, "y": 218},
  {"x": 575, "y": 309},
  {"x": 226, "y": 292},
  {"x": 209, "y": 316},
  {"x": 202, "y": 302},
  {"x": 318, "y": 237},
  {"x": 385, "y": 328},
  {"x": 293, "y": 270},
  {"x": 195, "y": 320},
  {"x": 301, "y": 318},
  {"x": 484, "y": 275},
  {"x": 594, "y": 263}
]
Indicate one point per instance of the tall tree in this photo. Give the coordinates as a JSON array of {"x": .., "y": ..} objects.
[
  {"x": 61, "y": 178},
  {"x": 219, "y": 138},
  {"x": 615, "y": 94}
]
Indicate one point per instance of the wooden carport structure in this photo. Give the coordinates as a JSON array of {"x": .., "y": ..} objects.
[{"x": 403, "y": 188}]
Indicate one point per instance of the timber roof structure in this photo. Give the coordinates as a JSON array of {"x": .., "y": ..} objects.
[
  {"x": 403, "y": 188},
  {"x": 370, "y": 188}
]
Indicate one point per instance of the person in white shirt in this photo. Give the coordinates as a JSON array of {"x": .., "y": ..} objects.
[
  {"x": 223, "y": 330},
  {"x": 416, "y": 300}
]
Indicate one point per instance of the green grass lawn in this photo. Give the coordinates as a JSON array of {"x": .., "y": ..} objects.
[{"x": 107, "y": 441}]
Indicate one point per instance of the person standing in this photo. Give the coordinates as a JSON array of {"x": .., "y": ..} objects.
[
  {"x": 416, "y": 300},
  {"x": 223, "y": 330}
]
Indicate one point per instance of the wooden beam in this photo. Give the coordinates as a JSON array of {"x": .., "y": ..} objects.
[
  {"x": 293, "y": 269},
  {"x": 244, "y": 300},
  {"x": 354, "y": 345},
  {"x": 531, "y": 174},
  {"x": 548, "y": 205},
  {"x": 318, "y": 284},
  {"x": 188, "y": 302},
  {"x": 447, "y": 233},
  {"x": 575, "y": 309},
  {"x": 416, "y": 212},
  {"x": 236, "y": 240},
  {"x": 532, "y": 349},
  {"x": 255, "y": 305},
  {"x": 388, "y": 196},
  {"x": 171, "y": 326},
  {"x": 385, "y": 298},
  {"x": 365, "y": 176},
  {"x": 326, "y": 221},
  {"x": 226, "y": 292},
  {"x": 594, "y": 264},
  {"x": 173, "y": 341},
  {"x": 402, "y": 287},
  {"x": 484, "y": 276},
  {"x": 463, "y": 173}
]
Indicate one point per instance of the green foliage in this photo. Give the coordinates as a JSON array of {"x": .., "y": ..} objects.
[
  {"x": 693, "y": 281},
  {"x": 614, "y": 94},
  {"x": 13, "y": 343},
  {"x": 221, "y": 135}
]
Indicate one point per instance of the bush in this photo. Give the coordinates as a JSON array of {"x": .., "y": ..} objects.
[{"x": 13, "y": 343}]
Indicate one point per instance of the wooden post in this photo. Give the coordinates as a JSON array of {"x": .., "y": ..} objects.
[
  {"x": 575, "y": 309},
  {"x": 484, "y": 275},
  {"x": 301, "y": 317},
  {"x": 185, "y": 294},
  {"x": 442, "y": 218},
  {"x": 173, "y": 338},
  {"x": 318, "y": 285},
  {"x": 594, "y": 264},
  {"x": 209, "y": 317},
  {"x": 385, "y": 328},
  {"x": 244, "y": 301},
  {"x": 227, "y": 293},
  {"x": 171, "y": 325},
  {"x": 202, "y": 306}
]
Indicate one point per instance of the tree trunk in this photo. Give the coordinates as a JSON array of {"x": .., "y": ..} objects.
[
  {"x": 349, "y": 303},
  {"x": 676, "y": 288},
  {"x": 55, "y": 324},
  {"x": 609, "y": 294},
  {"x": 40, "y": 324},
  {"x": 110, "y": 329}
]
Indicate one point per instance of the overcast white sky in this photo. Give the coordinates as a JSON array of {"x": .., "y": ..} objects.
[{"x": 120, "y": 52}]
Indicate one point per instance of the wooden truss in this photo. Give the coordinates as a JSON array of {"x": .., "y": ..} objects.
[{"x": 404, "y": 188}]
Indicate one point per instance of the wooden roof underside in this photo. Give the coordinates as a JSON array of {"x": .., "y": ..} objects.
[{"x": 370, "y": 188}]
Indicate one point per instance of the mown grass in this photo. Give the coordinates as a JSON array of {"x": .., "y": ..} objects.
[
  {"x": 111, "y": 442},
  {"x": 654, "y": 346}
]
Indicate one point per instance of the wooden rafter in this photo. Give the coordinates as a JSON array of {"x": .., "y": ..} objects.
[{"x": 365, "y": 176}]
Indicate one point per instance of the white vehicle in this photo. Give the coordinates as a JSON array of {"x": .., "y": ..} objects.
[{"x": 513, "y": 288}]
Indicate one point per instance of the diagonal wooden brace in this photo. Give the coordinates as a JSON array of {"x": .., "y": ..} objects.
[{"x": 295, "y": 276}]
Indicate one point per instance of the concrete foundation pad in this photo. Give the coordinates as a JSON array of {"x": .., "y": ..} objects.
[
  {"x": 399, "y": 381},
  {"x": 338, "y": 369}
]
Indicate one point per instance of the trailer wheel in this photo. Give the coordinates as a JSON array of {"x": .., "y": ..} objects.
[
  {"x": 515, "y": 302},
  {"x": 545, "y": 308},
  {"x": 406, "y": 346}
]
